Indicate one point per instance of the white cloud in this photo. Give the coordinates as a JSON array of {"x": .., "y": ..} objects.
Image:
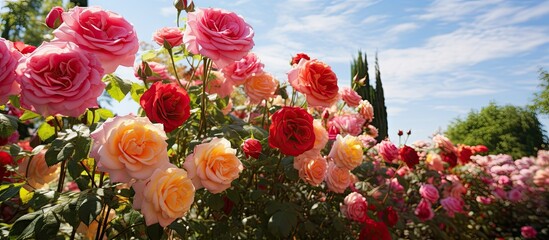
[
  {"x": 374, "y": 19},
  {"x": 455, "y": 10},
  {"x": 402, "y": 28},
  {"x": 168, "y": 12}
]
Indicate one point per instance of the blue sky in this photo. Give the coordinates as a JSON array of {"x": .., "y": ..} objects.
[{"x": 439, "y": 59}]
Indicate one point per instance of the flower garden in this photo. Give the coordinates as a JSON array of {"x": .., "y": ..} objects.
[{"x": 221, "y": 149}]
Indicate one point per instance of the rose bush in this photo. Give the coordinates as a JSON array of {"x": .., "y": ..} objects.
[{"x": 219, "y": 150}]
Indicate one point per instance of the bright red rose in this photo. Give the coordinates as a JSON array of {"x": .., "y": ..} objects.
[
  {"x": 292, "y": 131},
  {"x": 464, "y": 153},
  {"x": 251, "y": 148},
  {"x": 389, "y": 216},
  {"x": 480, "y": 149},
  {"x": 5, "y": 159},
  {"x": 450, "y": 158},
  {"x": 168, "y": 104},
  {"x": 409, "y": 156},
  {"x": 374, "y": 230}
]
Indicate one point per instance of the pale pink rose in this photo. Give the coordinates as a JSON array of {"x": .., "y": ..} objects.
[
  {"x": 260, "y": 87},
  {"x": 444, "y": 144},
  {"x": 316, "y": 81},
  {"x": 106, "y": 34},
  {"x": 350, "y": 96},
  {"x": 321, "y": 135},
  {"x": 218, "y": 34},
  {"x": 240, "y": 70},
  {"x": 528, "y": 232},
  {"x": 313, "y": 170},
  {"x": 129, "y": 147},
  {"x": 429, "y": 192},
  {"x": 452, "y": 205},
  {"x": 173, "y": 36},
  {"x": 366, "y": 110},
  {"x": 347, "y": 152},
  {"x": 434, "y": 161},
  {"x": 403, "y": 171},
  {"x": 219, "y": 85},
  {"x": 455, "y": 188},
  {"x": 372, "y": 131},
  {"x": 213, "y": 165},
  {"x": 541, "y": 178},
  {"x": 355, "y": 207},
  {"x": 8, "y": 65},
  {"x": 348, "y": 123},
  {"x": 388, "y": 151},
  {"x": 514, "y": 195},
  {"x": 424, "y": 211},
  {"x": 60, "y": 78},
  {"x": 36, "y": 172},
  {"x": 159, "y": 71},
  {"x": 395, "y": 186},
  {"x": 367, "y": 140},
  {"x": 165, "y": 196},
  {"x": 337, "y": 179}
]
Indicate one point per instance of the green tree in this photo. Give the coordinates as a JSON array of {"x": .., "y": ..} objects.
[
  {"x": 541, "y": 99},
  {"x": 503, "y": 129}
]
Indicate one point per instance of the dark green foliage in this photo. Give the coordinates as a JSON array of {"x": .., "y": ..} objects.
[
  {"x": 503, "y": 129},
  {"x": 541, "y": 100},
  {"x": 361, "y": 84}
]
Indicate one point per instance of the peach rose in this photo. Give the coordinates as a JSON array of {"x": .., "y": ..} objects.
[
  {"x": 213, "y": 165},
  {"x": 36, "y": 171},
  {"x": 321, "y": 135},
  {"x": 313, "y": 170},
  {"x": 350, "y": 96},
  {"x": 338, "y": 179},
  {"x": 444, "y": 144},
  {"x": 434, "y": 161},
  {"x": 129, "y": 147},
  {"x": 8, "y": 65},
  {"x": 218, "y": 34},
  {"x": 172, "y": 35},
  {"x": 219, "y": 85},
  {"x": 106, "y": 34},
  {"x": 240, "y": 70},
  {"x": 316, "y": 81},
  {"x": 366, "y": 110},
  {"x": 260, "y": 87},
  {"x": 347, "y": 152},
  {"x": 60, "y": 78},
  {"x": 165, "y": 196}
]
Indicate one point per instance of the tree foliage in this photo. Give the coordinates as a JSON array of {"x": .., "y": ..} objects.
[
  {"x": 541, "y": 100},
  {"x": 503, "y": 129}
]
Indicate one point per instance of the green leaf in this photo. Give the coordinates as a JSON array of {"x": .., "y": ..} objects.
[
  {"x": 69, "y": 216},
  {"x": 282, "y": 223},
  {"x": 8, "y": 125},
  {"x": 215, "y": 201},
  {"x": 47, "y": 226},
  {"x": 14, "y": 100},
  {"x": 75, "y": 169},
  {"x": 24, "y": 227},
  {"x": 137, "y": 91},
  {"x": 98, "y": 114},
  {"x": 66, "y": 152},
  {"x": 148, "y": 55},
  {"x": 233, "y": 195},
  {"x": 25, "y": 195},
  {"x": 89, "y": 208},
  {"x": 28, "y": 115},
  {"x": 9, "y": 191},
  {"x": 45, "y": 131},
  {"x": 179, "y": 228},
  {"x": 117, "y": 87},
  {"x": 155, "y": 231},
  {"x": 52, "y": 155}
]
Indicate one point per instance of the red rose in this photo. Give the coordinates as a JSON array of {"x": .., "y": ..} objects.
[
  {"x": 389, "y": 216},
  {"x": 409, "y": 156},
  {"x": 480, "y": 149},
  {"x": 168, "y": 104},
  {"x": 450, "y": 158},
  {"x": 251, "y": 148},
  {"x": 374, "y": 230},
  {"x": 5, "y": 159},
  {"x": 464, "y": 153},
  {"x": 298, "y": 57},
  {"x": 24, "y": 48},
  {"x": 292, "y": 131}
]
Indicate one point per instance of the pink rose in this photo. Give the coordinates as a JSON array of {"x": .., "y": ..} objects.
[
  {"x": 372, "y": 131},
  {"x": 8, "y": 65},
  {"x": 337, "y": 179},
  {"x": 444, "y": 144},
  {"x": 260, "y": 87},
  {"x": 484, "y": 200},
  {"x": 219, "y": 85},
  {"x": 355, "y": 207},
  {"x": 129, "y": 147},
  {"x": 240, "y": 70},
  {"x": 429, "y": 192},
  {"x": 218, "y": 34},
  {"x": 424, "y": 211},
  {"x": 388, "y": 151},
  {"x": 348, "y": 123},
  {"x": 528, "y": 232},
  {"x": 106, "y": 34},
  {"x": 60, "y": 78},
  {"x": 452, "y": 205},
  {"x": 514, "y": 195},
  {"x": 167, "y": 195},
  {"x": 159, "y": 72},
  {"x": 316, "y": 81},
  {"x": 53, "y": 19},
  {"x": 350, "y": 96},
  {"x": 347, "y": 152},
  {"x": 313, "y": 170},
  {"x": 171, "y": 35},
  {"x": 213, "y": 165},
  {"x": 36, "y": 172}
]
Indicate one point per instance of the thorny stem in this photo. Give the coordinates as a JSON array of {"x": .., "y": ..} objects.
[
  {"x": 175, "y": 68},
  {"x": 62, "y": 174},
  {"x": 203, "y": 97}
]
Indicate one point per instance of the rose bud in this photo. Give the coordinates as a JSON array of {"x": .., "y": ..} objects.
[
  {"x": 400, "y": 133},
  {"x": 251, "y": 148},
  {"x": 54, "y": 19}
]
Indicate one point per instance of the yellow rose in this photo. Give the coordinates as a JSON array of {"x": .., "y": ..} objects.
[
  {"x": 129, "y": 147},
  {"x": 213, "y": 165},
  {"x": 36, "y": 171},
  {"x": 347, "y": 152},
  {"x": 259, "y": 87},
  {"x": 167, "y": 195}
]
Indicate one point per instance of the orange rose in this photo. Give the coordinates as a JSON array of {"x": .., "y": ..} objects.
[
  {"x": 338, "y": 179},
  {"x": 347, "y": 152},
  {"x": 317, "y": 81},
  {"x": 36, "y": 171},
  {"x": 213, "y": 165},
  {"x": 165, "y": 196},
  {"x": 259, "y": 87},
  {"x": 313, "y": 170}
]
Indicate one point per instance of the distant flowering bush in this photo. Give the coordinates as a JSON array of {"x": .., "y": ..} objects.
[{"x": 220, "y": 150}]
